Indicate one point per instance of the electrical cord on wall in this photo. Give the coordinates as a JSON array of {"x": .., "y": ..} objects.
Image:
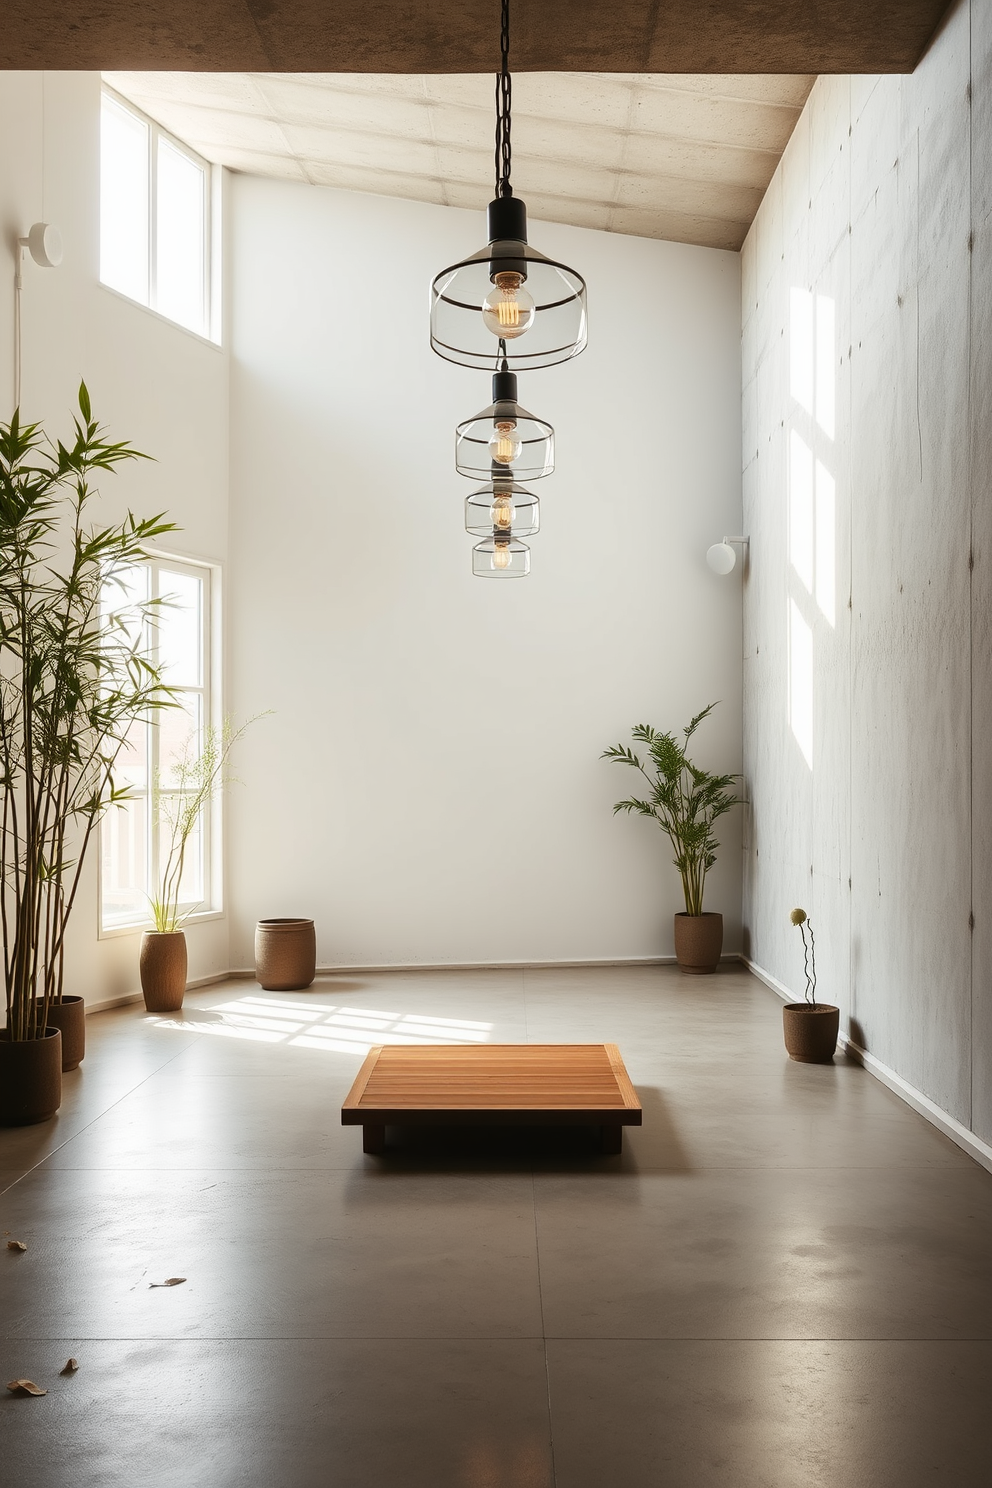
[
  {"x": 18, "y": 287},
  {"x": 44, "y": 243}
]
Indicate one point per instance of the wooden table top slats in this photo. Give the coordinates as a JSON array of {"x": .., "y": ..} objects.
[{"x": 443, "y": 1080}]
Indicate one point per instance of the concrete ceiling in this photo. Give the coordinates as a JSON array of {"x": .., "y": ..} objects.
[
  {"x": 460, "y": 36},
  {"x": 666, "y": 156}
]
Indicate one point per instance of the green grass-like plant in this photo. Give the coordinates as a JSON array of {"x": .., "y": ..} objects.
[
  {"x": 197, "y": 777},
  {"x": 684, "y": 800},
  {"x": 73, "y": 678}
]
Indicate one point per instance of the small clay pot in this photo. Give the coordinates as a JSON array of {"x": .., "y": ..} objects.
[
  {"x": 69, "y": 1017},
  {"x": 30, "y": 1078},
  {"x": 163, "y": 970},
  {"x": 698, "y": 942},
  {"x": 285, "y": 954},
  {"x": 810, "y": 1031}
]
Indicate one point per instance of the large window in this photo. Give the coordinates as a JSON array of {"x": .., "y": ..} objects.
[
  {"x": 155, "y": 217},
  {"x": 135, "y": 835}
]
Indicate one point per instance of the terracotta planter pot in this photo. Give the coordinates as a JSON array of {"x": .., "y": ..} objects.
[
  {"x": 69, "y": 1017},
  {"x": 285, "y": 954},
  {"x": 163, "y": 970},
  {"x": 810, "y": 1032},
  {"x": 30, "y": 1078},
  {"x": 698, "y": 942}
]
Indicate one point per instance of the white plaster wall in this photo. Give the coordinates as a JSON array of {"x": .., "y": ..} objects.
[
  {"x": 429, "y": 787},
  {"x": 150, "y": 382},
  {"x": 887, "y": 840}
]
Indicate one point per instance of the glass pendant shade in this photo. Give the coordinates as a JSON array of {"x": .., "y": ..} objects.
[
  {"x": 500, "y": 558},
  {"x": 502, "y": 506},
  {"x": 504, "y": 436},
  {"x": 508, "y": 293}
]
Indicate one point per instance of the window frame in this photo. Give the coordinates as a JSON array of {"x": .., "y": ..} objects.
[
  {"x": 209, "y": 329},
  {"x": 213, "y": 845}
]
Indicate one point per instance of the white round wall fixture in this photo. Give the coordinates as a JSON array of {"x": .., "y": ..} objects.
[
  {"x": 45, "y": 245},
  {"x": 721, "y": 558}
]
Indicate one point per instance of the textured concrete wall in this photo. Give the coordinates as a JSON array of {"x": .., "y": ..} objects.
[{"x": 867, "y": 336}]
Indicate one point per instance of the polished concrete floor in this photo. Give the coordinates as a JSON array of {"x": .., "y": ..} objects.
[{"x": 784, "y": 1282}]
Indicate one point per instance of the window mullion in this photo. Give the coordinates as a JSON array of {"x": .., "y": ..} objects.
[{"x": 153, "y": 216}]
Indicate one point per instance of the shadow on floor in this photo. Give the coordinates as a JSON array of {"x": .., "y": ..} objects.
[
  {"x": 491, "y": 1149},
  {"x": 526, "y": 1149}
]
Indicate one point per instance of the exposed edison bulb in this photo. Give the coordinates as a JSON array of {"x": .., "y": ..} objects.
[
  {"x": 502, "y": 514},
  {"x": 505, "y": 442},
  {"x": 508, "y": 310},
  {"x": 501, "y": 554}
]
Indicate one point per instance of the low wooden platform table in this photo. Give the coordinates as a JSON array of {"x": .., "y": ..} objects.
[{"x": 492, "y": 1085}]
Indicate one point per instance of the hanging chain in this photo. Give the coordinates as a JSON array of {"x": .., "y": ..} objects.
[{"x": 503, "y": 86}]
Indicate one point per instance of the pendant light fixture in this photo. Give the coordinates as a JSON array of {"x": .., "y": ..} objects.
[
  {"x": 500, "y": 558},
  {"x": 505, "y": 437},
  {"x": 508, "y": 291},
  {"x": 502, "y": 508}
]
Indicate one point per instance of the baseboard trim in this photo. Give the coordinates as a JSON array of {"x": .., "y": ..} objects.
[
  {"x": 249, "y": 971},
  {"x": 960, "y": 1134},
  {"x": 126, "y": 999},
  {"x": 106, "y": 1003}
]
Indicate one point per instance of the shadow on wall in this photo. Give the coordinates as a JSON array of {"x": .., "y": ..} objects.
[{"x": 857, "y": 1036}]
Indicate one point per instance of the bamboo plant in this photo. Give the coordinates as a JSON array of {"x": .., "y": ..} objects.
[
  {"x": 684, "y": 800},
  {"x": 73, "y": 678},
  {"x": 195, "y": 779}
]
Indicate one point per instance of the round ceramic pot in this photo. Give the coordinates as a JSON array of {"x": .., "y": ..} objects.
[
  {"x": 163, "y": 970},
  {"x": 698, "y": 942},
  {"x": 810, "y": 1031},
  {"x": 30, "y": 1078},
  {"x": 285, "y": 954},
  {"x": 69, "y": 1017}
]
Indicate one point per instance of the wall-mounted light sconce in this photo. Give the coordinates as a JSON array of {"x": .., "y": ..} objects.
[
  {"x": 44, "y": 243},
  {"x": 721, "y": 557}
]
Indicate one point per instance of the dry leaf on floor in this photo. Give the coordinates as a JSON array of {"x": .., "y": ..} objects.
[
  {"x": 25, "y": 1387},
  {"x": 172, "y": 1281},
  {"x": 71, "y": 1365},
  {"x": 16, "y": 1245}
]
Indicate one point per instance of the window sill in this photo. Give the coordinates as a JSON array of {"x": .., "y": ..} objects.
[
  {"x": 137, "y": 927},
  {"x": 200, "y": 336}
]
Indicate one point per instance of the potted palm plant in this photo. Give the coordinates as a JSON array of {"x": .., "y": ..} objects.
[
  {"x": 73, "y": 678},
  {"x": 685, "y": 801},
  {"x": 810, "y": 1027},
  {"x": 194, "y": 780}
]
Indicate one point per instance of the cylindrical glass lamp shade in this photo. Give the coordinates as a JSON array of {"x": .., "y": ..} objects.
[
  {"x": 508, "y": 293},
  {"x": 500, "y": 558},
  {"x": 502, "y": 506},
  {"x": 504, "y": 436}
]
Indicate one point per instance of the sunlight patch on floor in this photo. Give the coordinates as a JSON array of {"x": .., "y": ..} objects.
[{"x": 326, "y": 1026}]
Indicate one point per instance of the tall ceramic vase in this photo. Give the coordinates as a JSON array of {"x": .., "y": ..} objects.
[{"x": 163, "y": 970}]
